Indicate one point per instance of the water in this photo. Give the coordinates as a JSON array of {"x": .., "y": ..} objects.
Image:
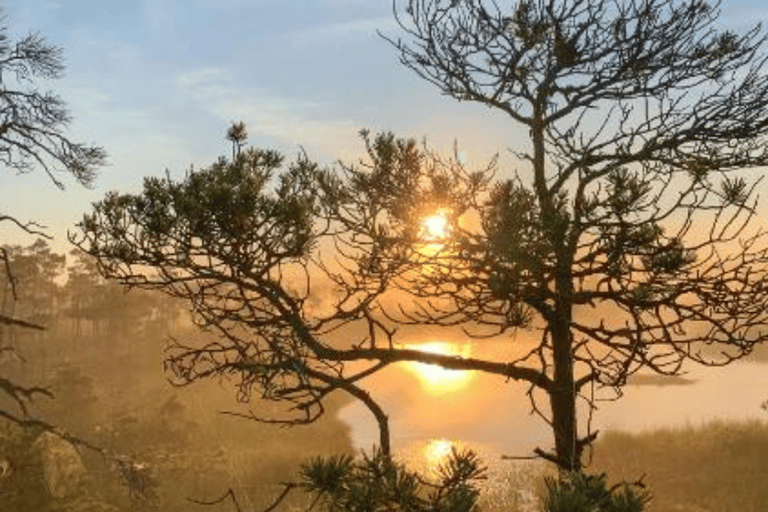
[{"x": 432, "y": 409}]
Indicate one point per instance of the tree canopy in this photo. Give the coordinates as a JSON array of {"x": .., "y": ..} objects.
[
  {"x": 624, "y": 238},
  {"x": 625, "y": 234}
]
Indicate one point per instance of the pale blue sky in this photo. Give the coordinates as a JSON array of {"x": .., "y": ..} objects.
[{"x": 157, "y": 82}]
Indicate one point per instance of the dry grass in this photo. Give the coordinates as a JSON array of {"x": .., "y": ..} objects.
[{"x": 718, "y": 467}]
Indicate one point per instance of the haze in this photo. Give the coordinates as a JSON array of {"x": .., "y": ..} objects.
[{"x": 157, "y": 82}]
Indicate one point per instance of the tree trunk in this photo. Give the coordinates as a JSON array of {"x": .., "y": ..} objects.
[
  {"x": 562, "y": 395},
  {"x": 563, "y": 398}
]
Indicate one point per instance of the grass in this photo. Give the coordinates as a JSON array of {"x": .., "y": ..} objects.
[{"x": 718, "y": 467}]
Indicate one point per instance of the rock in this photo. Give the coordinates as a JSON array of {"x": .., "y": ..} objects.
[{"x": 64, "y": 473}]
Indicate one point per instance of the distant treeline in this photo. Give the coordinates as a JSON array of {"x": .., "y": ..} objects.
[
  {"x": 67, "y": 296},
  {"x": 101, "y": 357}
]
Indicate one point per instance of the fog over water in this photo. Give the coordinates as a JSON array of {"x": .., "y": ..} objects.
[{"x": 493, "y": 416}]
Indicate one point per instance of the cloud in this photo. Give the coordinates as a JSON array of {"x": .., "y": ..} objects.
[
  {"x": 285, "y": 3},
  {"x": 31, "y": 14},
  {"x": 348, "y": 29},
  {"x": 158, "y": 14},
  {"x": 95, "y": 55},
  {"x": 211, "y": 79},
  {"x": 226, "y": 3},
  {"x": 293, "y": 122}
]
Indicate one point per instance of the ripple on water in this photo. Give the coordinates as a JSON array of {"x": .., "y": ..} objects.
[{"x": 510, "y": 484}]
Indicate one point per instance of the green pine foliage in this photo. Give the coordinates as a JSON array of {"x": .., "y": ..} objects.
[
  {"x": 375, "y": 483},
  {"x": 580, "y": 492},
  {"x": 378, "y": 483}
]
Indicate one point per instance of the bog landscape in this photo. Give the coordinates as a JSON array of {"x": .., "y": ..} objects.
[{"x": 564, "y": 310}]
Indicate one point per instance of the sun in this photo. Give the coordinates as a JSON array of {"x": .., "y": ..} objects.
[
  {"x": 436, "y": 226},
  {"x": 436, "y": 379}
]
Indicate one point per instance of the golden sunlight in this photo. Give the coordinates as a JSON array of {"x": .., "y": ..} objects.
[
  {"x": 436, "y": 379},
  {"x": 426, "y": 456},
  {"x": 436, "y": 226},
  {"x": 436, "y": 452}
]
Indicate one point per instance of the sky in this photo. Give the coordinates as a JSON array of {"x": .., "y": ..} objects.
[{"x": 158, "y": 82}]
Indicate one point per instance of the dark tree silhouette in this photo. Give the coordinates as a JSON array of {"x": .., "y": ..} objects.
[
  {"x": 246, "y": 251},
  {"x": 32, "y": 125},
  {"x": 624, "y": 237},
  {"x": 624, "y": 240},
  {"x": 237, "y": 134},
  {"x": 32, "y": 122},
  {"x": 32, "y": 137}
]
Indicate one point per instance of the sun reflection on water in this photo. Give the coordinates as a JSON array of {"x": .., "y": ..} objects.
[
  {"x": 436, "y": 452},
  {"x": 436, "y": 379},
  {"x": 427, "y": 457},
  {"x": 510, "y": 485}
]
